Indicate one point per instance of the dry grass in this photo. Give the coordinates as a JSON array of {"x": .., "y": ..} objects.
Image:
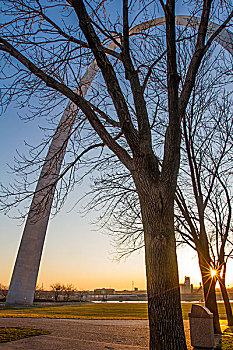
[
  {"x": 126, "y": 311},
  {"x": 83, "y": 311},
  {"x": 10, "y": 334}
]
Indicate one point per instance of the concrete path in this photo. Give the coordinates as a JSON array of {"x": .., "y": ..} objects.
[{"x": 81, "y": 334}]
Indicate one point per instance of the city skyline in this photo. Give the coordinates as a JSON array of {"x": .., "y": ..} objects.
[{"x": 66, "y": 259}]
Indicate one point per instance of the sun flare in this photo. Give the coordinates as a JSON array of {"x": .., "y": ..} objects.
[{"x": 213, "y": 273}]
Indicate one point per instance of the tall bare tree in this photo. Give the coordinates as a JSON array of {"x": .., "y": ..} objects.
[
  {"x": 203, "y": 215},
  {"x": 46, "y": 45}
]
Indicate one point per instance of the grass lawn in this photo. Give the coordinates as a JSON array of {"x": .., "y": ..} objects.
[
  {"x": 81, "y": 311},
  {"x": 93, "y": 311},
  {"x": 108, "y": 311},
  {"x": 11, "y": 334}
]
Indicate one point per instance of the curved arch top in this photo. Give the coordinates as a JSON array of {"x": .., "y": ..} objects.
[{"x": 225, "y": 38}]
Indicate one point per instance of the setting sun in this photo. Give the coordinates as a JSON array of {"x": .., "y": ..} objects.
[{"x": 213, "y": 273}]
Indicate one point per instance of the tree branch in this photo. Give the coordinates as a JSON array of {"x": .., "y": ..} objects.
[
  {"x": 171, "y": 158},
  {"x": 71, "y": 38},
  {"x": 196, "y": 59},
  {"x": 218, "y": 31},
  {"x": 109, "y": 75},
  {"x": 77, "y": 99}
]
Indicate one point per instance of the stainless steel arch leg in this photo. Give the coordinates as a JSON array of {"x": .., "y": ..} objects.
[
  {"x": 24, "y": 277},
  {"x": 23, "y": 281}
]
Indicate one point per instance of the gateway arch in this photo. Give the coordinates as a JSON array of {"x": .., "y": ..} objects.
[{"x": 26, "y": 268}]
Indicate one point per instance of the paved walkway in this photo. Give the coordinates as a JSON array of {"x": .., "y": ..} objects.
[{"x": 81, "y": 334}]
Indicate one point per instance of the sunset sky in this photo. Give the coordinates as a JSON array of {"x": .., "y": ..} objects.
[{"x": 74, "y": 251}]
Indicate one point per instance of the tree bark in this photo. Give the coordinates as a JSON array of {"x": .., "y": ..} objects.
[
  {"x": 165, "y": 314},
  {"x": 209, "y": 288},
  {"x": 226, "y": 300}
]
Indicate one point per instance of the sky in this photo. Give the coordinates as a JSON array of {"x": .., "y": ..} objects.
[{"x": 74, "y": 252}]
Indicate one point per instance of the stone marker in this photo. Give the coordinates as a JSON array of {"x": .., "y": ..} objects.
[{"x": 201, "y": 327}]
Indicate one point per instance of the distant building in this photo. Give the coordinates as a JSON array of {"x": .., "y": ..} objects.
[
  {"x": 186, "y": 288},
  {"x": 104, "y": 291}
]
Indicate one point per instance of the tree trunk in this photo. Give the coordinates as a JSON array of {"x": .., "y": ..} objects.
[
  {"x": 226, "y": 300},
  {"x": 165, "y": 314},
  {"x": 209, "y": 289}
]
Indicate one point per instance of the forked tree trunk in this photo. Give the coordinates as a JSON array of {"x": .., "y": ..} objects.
[
  {"x": 209, "y": 289},
  {"x": 165, "y": 314}
]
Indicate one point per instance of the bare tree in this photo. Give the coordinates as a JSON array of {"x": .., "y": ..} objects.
[
  {"x": 58, "y": 289},
  {"x": 216, "y": 237},
  {"x": 62, "y": 290},
  {"x": 68, "y": 291},
  {"x": 223, "y": 243},
  {"x": 46, "y": 53},
  {"x": 201, "y": 222},
  {"x": 206, "y": 160}
]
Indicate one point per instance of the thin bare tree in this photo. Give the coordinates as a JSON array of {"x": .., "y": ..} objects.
[{"x": 203, "y": 195}]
